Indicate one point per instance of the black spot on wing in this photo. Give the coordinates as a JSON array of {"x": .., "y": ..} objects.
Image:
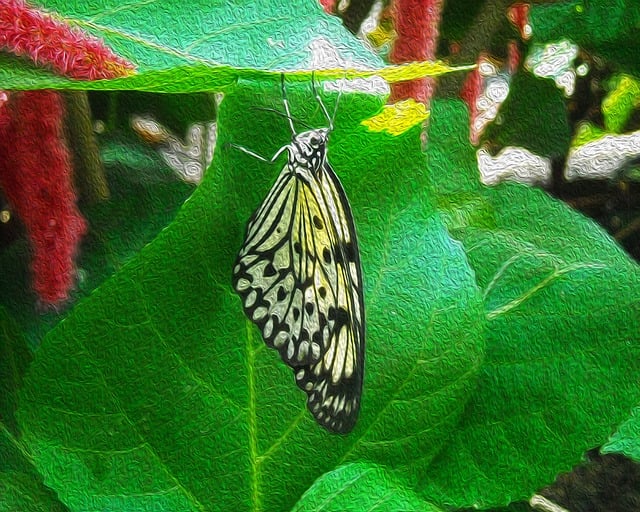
[{"x": 270, "y": 270}]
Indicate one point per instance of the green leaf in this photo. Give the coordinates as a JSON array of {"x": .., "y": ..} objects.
[
  {"x": 451, "y": 159},
  {"x": 534, "y": 116},
  {"x": 626, "y": 439},
  {"x": 608, "y": 29},
  {"x": 23, "y": 492},
  {"x": 361, "y": 487},
  {"x": 622, "y": 99},
  {"x": 202, "y": 47},
  {"x": 21, "y": 486},
  {"x": 561, "y": 368},
  {"x": 14, "y": 359},
  {"x": 157, "y": 392},
  {"x": 175, "y": 50}
]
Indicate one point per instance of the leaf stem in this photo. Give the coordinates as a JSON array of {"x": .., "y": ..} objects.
[
  {"x": 17, "y": 444},
  {"x": 253, "y": 428}
]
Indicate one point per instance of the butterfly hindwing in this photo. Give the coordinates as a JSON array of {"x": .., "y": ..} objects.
[{"x": 334, "y": 384}]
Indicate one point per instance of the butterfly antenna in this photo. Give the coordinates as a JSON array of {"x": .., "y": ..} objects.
[
  {"x": 335, "y": 110},
  {"x": 319, "y": 99},
  {"x": 286, "y": 105}
]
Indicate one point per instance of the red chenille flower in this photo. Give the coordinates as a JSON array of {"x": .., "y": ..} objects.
[
  {"x": 36, "y": 176},
  {"x": 28, "y": 32},
  {"x": 416, "y": 23},
  {"x": 35, "y": 165}
]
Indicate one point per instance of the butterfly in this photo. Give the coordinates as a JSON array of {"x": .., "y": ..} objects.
[{"x": 299, "y": 276}]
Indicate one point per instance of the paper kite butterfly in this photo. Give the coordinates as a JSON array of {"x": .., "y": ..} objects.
[{"x": 299, "y": 277}]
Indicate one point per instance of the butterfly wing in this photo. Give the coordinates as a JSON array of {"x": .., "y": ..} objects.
[
  {"x": 274, "y": 274},
  {"x": 298, "y": 274},
  {"x": 334, "y": 384}
]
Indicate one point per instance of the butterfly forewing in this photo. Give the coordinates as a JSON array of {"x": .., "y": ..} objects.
[{"x": 298, "y": 274}]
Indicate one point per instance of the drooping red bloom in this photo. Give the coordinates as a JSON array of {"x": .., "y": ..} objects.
[
  {"x": 28, "y": 32},
  {"x": 471, "y": 90},
  {"x": 36, "y": 176},
  {"x": 35, "y": 165},
  {"x": 513, "y": 57},
  {"x": 476, "y": 89},
  {"x": 416, "y": 23}
]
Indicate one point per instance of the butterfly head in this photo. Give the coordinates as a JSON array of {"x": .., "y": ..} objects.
[{"x": 308, "y": 149}]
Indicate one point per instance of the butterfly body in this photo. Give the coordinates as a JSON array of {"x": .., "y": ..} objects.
[
  {"x": 307, "y": 153},
  {"x": 299, "y": 277}
]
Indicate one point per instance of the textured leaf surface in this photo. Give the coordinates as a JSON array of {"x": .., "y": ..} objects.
[
  {"x": 157, "y": 393},
  {"x": 626, "y": 439},
  {"x": 178, "y": 49},
  {"x": 21, "y": 486},
  {"x": 361, "y": 487},
  {"x": 209, "y": 45},
  {"x": 563, "y": 305},
  {"x": 25, "y": 492}
]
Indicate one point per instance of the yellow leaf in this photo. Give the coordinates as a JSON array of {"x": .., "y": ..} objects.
[
  {"x": 394, "y": 73},
  {"x": 381, "y": 35},
  {"x": 618, "y": 105},
  {"x": 587, "y": 132},
  {"x": 397, "y": 118},
  {"x": 410, "y": 71}
]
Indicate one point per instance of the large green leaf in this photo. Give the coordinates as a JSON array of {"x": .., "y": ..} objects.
[
  {"x": 157, "y": 393},
  {"x": 361, "y": 487},
  {"x": 21, "y": 487},
  {"x": 200, "y": 47},
  {"x": 563, "y": 353}
]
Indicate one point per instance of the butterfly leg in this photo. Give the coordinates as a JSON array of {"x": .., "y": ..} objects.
[{"x": 256, "y": 155}]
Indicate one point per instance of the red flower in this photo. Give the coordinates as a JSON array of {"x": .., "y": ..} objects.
[
  {"x": 518, "y": 14},
  {"x": 416, "y": 23},
  {"x": 36, "y": 176},
  {"x": 328, "y": 5},
  {"x": 70, "y": 52},
  {"x": 35, "y": 166}
]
